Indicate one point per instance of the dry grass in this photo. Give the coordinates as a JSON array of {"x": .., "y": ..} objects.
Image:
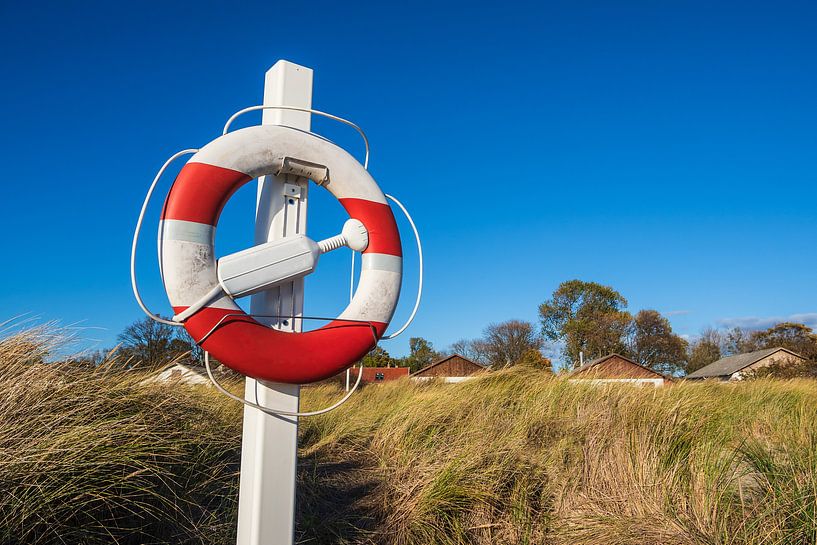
[
  {"x": 514, "y": 457},
  {"x": 518, "y": 458},
  {"x": 93, "y": 456}
]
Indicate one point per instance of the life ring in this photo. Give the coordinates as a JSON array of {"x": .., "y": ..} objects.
[{"x": 189, "y": 268}]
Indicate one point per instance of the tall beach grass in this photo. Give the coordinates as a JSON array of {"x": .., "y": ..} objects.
[
  {"x": 101, "y": 456},
  {"x": 517, "y": 457},
  {"x": 98, "y": 456}
]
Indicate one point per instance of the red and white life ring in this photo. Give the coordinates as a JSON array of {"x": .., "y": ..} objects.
[{"x": 188, "y": 262}]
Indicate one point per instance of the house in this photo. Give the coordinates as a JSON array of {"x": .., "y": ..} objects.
[
  {"x": 453, "y": 368},
  {"x": 178, "y": 372},
  {"x": 615, "y": 368},
  {"x": 735, "y": 367},
  {"x": 378, "y": 375}
]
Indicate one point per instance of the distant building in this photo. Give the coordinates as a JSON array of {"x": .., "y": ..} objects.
[
  {"x": 615, "y": 368},
  {"x": 454, "y": 368},
  {"x": 181, "y": 373},
  {"x": 736, "y": 367},
  {"x": 378, "y": 375}
]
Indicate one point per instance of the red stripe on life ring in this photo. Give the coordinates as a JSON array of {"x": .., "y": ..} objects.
[
  {"x": 261, "y": 352},
  {"x": 384, "y": 238},
  {"x": 200, "y": 192}
]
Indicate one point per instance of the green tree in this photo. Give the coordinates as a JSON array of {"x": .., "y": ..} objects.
[
  {"x": 421, "y": 354},
  {"x": 586, "y": 317},
  {"x": 378, "y": 358},
  {"x": 507, "y": 343},
  {"x": 653, "y": 344}
]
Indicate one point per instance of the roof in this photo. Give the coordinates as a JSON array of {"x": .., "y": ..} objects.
[
  {"x": 381, "y": 374},
  {"x": 186, "y": 373},
  {"x": 732, "y": 364},
  {"x": 184, "y": 367},
  {"x": 445, "y": 359},
  {"x": 603, "y": 359}
]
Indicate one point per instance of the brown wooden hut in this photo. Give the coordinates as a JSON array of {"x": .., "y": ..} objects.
[
  {"x": 617, "y": 368},
  {"x": 454, "y": 368}
]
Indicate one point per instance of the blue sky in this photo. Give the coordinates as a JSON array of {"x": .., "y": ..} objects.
[{"x": 665, "y": 148}]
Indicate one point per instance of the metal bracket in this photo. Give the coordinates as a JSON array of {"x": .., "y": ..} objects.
[
  {"x": 298, "y": 167},
  {"x": 292, "y": 191}
]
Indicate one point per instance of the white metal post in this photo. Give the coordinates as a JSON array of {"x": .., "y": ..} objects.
[{"x": 269, "y": 454}]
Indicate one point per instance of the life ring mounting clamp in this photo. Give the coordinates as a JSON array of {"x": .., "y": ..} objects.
[{"x": 304, "y": 169}]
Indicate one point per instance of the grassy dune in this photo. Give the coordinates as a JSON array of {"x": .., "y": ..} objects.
[
  {"x": 514, "y": 457},
  {"x": 93, "y": 456},
  {"x": 519, "y": 458}
]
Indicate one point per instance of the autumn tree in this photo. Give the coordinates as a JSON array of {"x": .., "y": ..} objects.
[
  {"x": 472, "y": 349},
  {"x": 534, "y": 358},
  {"x": 506, "y": 343},
  {"x": 704, "y": 350},
  {"x": 586, "y": 317},
  {"x": 736, "y": 341},
  {"x": 653, "y": 344},
  {"x": 713, "y": 344},
  {"x": 796, "y": 337}
]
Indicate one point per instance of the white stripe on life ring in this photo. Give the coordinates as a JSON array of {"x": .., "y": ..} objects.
[
  {"x": 373, "y": 299},
  {"x": 383, "y": 262}
]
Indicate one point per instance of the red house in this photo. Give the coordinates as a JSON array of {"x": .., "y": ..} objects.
[{"x": 377, "y": 375}]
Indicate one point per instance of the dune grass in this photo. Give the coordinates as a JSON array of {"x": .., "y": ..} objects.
[
  {"x": 95, "y": 456},
  {"x": 516, "y": 457}
]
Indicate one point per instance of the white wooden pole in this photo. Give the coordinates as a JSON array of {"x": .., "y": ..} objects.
[
  {"x": 269, "y": 454},
  {"x": 351, "y": 296}
]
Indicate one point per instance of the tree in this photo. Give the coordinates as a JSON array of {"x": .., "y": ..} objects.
[
  {"x": 92, "y": 359},
  {"x": 705, "y": 350},
  {"x": 736, "y": 341},
  {"x": 533, "y": 358},
  {"x": 586, "y": 317},
  {"x": 713, "y": 344},
  {"x": 796, "y": 337},
  {"x": 421, "y": 354},
  {"x": 507, "y": 343},
  {"x": 653, "y": 344},
  {"x": 475, "y": 350},
  {"x": 378, "y": 358},
  {"x": 150, "y": 344}
]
